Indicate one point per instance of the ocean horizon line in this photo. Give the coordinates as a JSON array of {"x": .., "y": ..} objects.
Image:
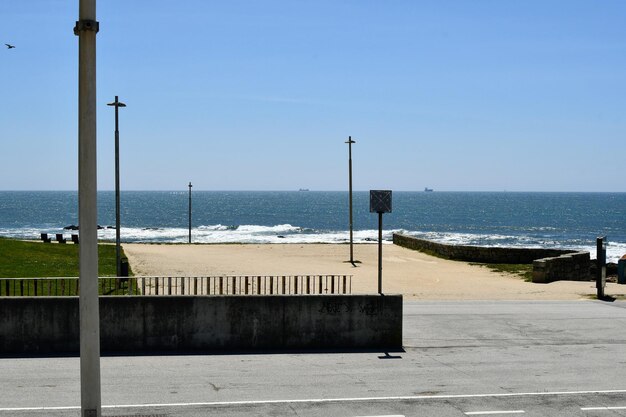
[{"x": 322, "y": 191}]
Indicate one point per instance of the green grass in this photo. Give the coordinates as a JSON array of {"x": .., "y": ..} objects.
[
  {"x": 22, "y": 259},
  {"x": 524, "y": 271},
  {"x": 33, "y": 259}
]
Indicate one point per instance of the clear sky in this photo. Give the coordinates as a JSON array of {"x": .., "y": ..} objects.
[{"x": 261, "y": 95}]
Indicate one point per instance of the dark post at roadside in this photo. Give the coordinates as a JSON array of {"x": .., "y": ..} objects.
[
  {"x": 118, "y": 258},
  {"x": 189, "y": 211},
  {"x": 380, "y": 202},
  {"x": 350, "y": 142},
  {"x": 600, "y": 266}
]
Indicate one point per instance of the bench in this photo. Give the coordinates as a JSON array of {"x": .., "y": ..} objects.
[{"x": 59, "y": 238}]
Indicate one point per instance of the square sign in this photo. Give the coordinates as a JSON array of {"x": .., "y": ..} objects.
[{"x": 380, "y": 201}]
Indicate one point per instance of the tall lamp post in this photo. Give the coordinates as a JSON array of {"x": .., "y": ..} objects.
[
  {"x": 189, "y": 211},
  {"x": 89, "y": 313},
  {"x": 118, "y": 260},
  {"x": 350, "y": 142}
]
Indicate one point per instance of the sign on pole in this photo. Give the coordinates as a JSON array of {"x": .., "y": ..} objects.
[{"x": 380, "y": 202}]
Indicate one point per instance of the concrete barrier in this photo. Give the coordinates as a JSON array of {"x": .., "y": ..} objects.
[
  {"x": 483, "y": 254},
  {"x": 49, "y": 325}
]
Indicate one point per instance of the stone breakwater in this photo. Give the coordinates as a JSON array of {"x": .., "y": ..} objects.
[
  {"x": 481, "y": 254},
  {"x": 548, "y": 264}
]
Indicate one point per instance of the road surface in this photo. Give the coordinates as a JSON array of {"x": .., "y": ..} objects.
[{"x": 460, "y": 358}]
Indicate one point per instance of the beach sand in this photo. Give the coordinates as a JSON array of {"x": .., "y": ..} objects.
[{"x": 415, "y": 275}]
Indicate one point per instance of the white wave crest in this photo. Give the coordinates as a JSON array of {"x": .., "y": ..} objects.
[
  {"x": 281, "y": 228},
  {"x": 215, "y": 227},
  {"x": 244, "y": 234}
]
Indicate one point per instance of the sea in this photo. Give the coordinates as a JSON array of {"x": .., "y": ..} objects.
[{"x": 502, "y": 219}]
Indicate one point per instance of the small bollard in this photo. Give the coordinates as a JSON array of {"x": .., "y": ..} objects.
[
  {"x": 123, "y": 267},
  {"x": 621, "y": 270},
  {"x": 601, "y": 266}
]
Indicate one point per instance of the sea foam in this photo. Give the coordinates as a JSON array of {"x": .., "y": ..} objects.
[{"x": 284, "y": 233}]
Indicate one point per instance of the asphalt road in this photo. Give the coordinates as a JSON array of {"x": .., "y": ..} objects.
[{"x": 460, "y": 358}]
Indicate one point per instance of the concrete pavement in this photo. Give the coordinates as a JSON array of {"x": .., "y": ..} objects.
[{"x": 542, "y": 358}]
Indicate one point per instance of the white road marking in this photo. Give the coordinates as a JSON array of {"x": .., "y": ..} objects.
[
  {"x": 330, "y": 400},
  {"x": 71, "y": 407},
  {"x": 484, "y": 413},
  {"x": 395, "y": 415},
  {"x": 602, "y": 408}
]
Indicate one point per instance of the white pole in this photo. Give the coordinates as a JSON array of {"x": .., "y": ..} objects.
[{"x": 86, "y": 29}]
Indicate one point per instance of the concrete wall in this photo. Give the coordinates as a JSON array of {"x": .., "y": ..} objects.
[
  {"x": 571, "y": 267},
  {"x": 44, "y": 325},
  {"x": 477, "y": 253}
]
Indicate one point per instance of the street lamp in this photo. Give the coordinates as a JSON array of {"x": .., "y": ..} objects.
[
  {"x": 118, "y": 260},
  {"x": 189, "y": 211},
  {"x": 350, "y": 142}
]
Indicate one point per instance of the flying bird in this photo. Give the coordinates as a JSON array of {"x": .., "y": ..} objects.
[{"x": 9, "y": 46}]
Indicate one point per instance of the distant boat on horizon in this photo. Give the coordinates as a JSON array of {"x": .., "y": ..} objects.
[
  {"x": 428, "y": 190},
  {"x": 303, "y": 189}
]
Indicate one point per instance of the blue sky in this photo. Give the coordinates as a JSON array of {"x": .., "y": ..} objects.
[{"x": 261, "y": 95}]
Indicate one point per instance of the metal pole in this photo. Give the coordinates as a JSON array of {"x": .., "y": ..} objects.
[
  {"x": 350, "y": 142},
  {"x": 380, "y": 252},
  {"x": 189, "y": 211},
  {"x": 86, "y": 29},
  {"x": 118, "y": 259}
]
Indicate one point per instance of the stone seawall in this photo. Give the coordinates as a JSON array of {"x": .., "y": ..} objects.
[
  {"x": 49, "y": 325},
  {"x": 477, "y": 253},
  {"x": 571, "y": 267}
]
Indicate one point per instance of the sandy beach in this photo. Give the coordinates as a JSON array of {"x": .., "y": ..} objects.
[{"x": 415, "y": 275}]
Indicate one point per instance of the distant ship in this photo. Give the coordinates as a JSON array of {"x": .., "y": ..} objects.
[
  {"x": 428, "y": 190},
  {"x": 303, "y": 189}
]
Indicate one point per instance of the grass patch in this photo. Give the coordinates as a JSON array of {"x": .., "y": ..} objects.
[
  {"x": 524, "y": 271},
  {"x": 23, "y": 259},
  {"x": 33, "y": 259}
]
